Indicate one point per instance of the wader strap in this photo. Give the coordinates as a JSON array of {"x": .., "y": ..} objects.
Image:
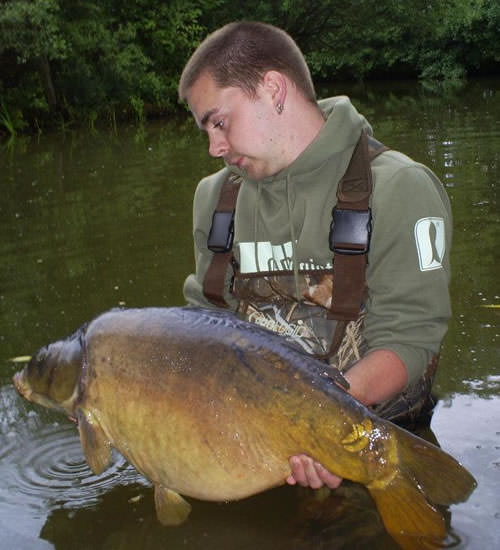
[
  {"x": 220, "y": 242},
  {"x": 349, "y": 234},
  {"x": 337, "y": 338},
  {"x": 350, "y": 231}
]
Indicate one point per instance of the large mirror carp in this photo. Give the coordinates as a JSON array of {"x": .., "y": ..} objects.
[{"x": 208, "y": 406}]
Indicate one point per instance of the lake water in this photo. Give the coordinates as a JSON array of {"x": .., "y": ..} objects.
[{"x": 93, "y": 220}]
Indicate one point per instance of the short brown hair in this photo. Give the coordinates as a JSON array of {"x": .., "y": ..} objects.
[{"x": 239, "y": 54}]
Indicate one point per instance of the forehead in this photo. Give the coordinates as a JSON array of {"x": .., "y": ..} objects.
[
  {"x": 205, "y": 98},
  {"x": 202, "y": 98}
]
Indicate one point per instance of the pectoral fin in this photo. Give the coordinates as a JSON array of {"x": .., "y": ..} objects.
[
  {"x": 95, "y": 445},
  {"x": 171, "y": 508}
]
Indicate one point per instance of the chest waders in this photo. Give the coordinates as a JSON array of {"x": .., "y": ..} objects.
[{"x": 349, "y": 240}]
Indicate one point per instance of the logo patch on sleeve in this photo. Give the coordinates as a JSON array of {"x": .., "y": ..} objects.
[{"x": 430, "y": 240}]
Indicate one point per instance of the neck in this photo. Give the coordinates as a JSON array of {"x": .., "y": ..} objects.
[{"x": 303, "y": 121}]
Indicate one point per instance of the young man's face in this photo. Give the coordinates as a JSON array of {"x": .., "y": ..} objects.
[{"x": 241, "y": 130}]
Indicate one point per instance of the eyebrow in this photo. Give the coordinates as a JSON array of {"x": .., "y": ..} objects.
[{"x": 207, "y": 115}]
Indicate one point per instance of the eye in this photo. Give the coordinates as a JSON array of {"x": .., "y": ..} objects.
[{"x": 218, "y": 124}]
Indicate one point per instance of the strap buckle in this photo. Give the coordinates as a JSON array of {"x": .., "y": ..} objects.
[
  {"x": 350, "y": 231},
  {"x": 220, "y": 238}
]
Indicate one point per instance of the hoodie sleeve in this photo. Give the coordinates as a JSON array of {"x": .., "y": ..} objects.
[
  {"x": 408, "y": 306},
  {"x": 205, "y": 201}
]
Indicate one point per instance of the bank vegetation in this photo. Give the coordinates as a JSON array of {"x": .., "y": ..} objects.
[{"x": 88, "y": 61}]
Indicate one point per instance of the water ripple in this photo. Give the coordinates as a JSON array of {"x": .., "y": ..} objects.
[{"x": 49, "y": 467}]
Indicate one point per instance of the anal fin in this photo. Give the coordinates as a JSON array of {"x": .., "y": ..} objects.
[
  {"x": 171, "y": 508},
  {"x": 95, "y": 445}
]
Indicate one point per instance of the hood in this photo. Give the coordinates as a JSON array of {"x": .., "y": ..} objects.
[
  {"x": 289, "y": 214},
  {"x": 339, "y": 134}
]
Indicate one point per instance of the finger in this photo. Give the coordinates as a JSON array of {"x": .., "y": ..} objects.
[
  {"x": 312, "y": 478},
  {"x": 291, "y": 480},
  {"x": 330, "y": 480},
  {"x": 309, "y": 473},
  {"x": 298, "y": 473}
]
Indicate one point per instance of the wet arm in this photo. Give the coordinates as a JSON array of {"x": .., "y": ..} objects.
[{"x": 378, "y": 376}]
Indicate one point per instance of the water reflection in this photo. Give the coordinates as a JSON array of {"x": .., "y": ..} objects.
[
  {"x": 468, "y": 425},
  {"x": 133, "y": 524},
  {"x": 275, "y": 520}
]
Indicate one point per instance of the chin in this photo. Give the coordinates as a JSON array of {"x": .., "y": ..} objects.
[{"x": 256, "y": 174}]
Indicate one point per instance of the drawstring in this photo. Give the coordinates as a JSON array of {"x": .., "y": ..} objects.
[
  {"x": 292, "y": 233},
  {"x": 255, "y": 225}
]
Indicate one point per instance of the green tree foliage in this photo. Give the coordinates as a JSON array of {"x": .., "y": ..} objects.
[
  {"x": 30, "y": 40},
  {"x": 87, "y": 59},
  {"x": 124, "y": 53}
]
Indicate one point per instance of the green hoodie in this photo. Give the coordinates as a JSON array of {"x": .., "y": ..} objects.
[{"x": 282, "y": 225}]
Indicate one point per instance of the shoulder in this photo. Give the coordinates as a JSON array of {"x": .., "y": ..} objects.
[
  {"x": 209, "y": 186},
  {"x": 397, "y": 177},
  {"x": 207, "y": 193},
  {"x": 392, "y": 167},
  {"x": 206, "y": 198}
]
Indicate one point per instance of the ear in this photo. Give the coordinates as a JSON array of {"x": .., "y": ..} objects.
[{"x": 274, "y": 84}]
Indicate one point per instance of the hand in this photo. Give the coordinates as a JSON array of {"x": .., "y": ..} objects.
[{"x": 309, "y": 473}]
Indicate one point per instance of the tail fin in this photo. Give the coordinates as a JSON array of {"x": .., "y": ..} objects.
[
  {"x": 427, "y": 476},
  {"x": 442, "y": 479},
  {"x": 408, "y": 517}
]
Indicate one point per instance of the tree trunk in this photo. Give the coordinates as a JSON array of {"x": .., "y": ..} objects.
[{"x": 48, "y": 85}]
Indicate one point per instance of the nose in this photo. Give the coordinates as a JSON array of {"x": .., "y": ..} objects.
[{"x": 218, "y": 146}]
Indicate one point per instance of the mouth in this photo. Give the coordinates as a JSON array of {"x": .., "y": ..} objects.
[{"x": 238, "y": 161}]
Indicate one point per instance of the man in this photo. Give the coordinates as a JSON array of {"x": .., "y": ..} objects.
[{"x": 248, "y": 86}]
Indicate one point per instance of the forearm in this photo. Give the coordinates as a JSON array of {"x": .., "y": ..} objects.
[{"x": 376, "y": 377}]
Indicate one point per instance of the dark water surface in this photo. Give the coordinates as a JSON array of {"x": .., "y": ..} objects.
[{"x": 89, "y": 221}]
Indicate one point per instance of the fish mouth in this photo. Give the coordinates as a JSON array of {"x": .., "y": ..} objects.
[
  {"x": 25, "y": 390},
  {"x": 20, "y": 384}
]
